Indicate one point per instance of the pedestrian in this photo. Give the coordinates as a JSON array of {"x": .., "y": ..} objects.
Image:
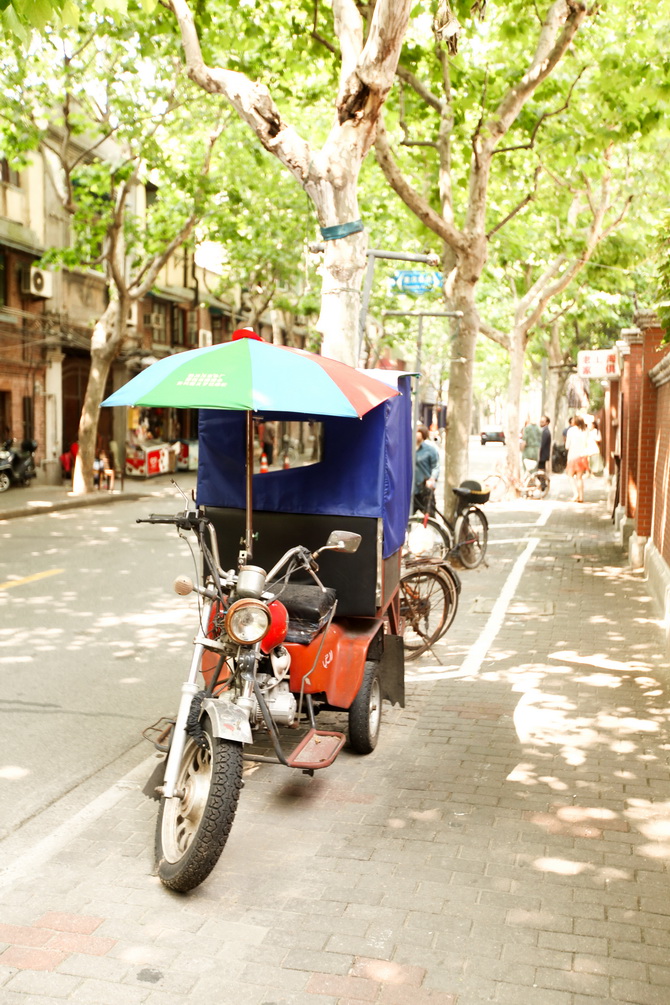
[
  {"x": 577, "y": 444},
  {"x": 269, "y": 434},
  {"x": 426, "y": 472},
  {"x": 593, "y": 444},
  {"x": 545, "y": 444},
  {"x": 531, "y": 438}
]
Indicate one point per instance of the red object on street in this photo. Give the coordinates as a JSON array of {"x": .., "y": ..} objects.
[
  {"x": 287, "y": 463},
  {"x": 264, "y": 465}
]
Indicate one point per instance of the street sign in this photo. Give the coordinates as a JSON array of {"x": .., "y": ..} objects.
[
  {"x": 597, "y": 364},
  {"x": 415, "y": 281}
]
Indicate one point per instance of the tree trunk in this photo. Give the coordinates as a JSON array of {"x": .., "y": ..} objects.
[
  {"x": 342, "y": 279},
  {"x": 106, "y": 341},
  {"x": 459, "y": 405},
  {"x": 555, "y": 360},
  {"x": 513, "y": 427}
]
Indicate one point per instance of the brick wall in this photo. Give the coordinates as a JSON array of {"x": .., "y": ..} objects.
[{"x": 661, "y": 495}]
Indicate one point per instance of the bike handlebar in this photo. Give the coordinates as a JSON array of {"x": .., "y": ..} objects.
[{"x": 185, "y": 521}]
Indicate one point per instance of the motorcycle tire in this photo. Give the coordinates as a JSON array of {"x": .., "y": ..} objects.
[
  {"x": 5, "y": 481},
  {"x": 192, "y": 830},
  {"x": 365, "y": 714}
]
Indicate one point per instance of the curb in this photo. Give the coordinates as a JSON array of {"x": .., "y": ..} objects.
[{"x": 76, "y": 503}]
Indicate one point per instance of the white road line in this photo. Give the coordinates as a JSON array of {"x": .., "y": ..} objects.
[
  {"x": 472, "y": 663},
  {"x": 30, "y": 862}
]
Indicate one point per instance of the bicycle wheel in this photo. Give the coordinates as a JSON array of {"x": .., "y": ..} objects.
[
  {"x": 453, "y": 590},
  {"x": 425, "y": 600},
  {"x": 537, "y": 485},
  {"x": 427, "y": 538},
  {"x": 497, "y": 486},
  {"x": 472, "y": 531}
]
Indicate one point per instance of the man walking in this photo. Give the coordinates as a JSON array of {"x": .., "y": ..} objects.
[
  {"x": 426, "y": 472},
  {"x": 545, "y": 444}
]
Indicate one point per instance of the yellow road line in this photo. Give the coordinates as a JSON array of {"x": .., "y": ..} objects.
[{"x": 29, "y": 579}]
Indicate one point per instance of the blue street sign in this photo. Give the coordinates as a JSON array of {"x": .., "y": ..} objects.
[{"x": 413, "y": 281}]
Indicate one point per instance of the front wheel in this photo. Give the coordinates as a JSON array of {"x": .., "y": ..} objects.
[
  {"x": 365, "y": 714},
  {"x": 5, "y": 481},
  {"x": 193, "y": 827},
  {"x": 425, "y": 606},
  {"x": 471, "y": 537},
  {"x": 496, "y": 486}
]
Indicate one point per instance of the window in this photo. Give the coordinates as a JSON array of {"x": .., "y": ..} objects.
[
  {"x": 8, "y": 175},
  {"x": 157, "y": 322}
]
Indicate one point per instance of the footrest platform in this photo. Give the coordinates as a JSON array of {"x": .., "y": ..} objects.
[{"x": 317, "y": 749}]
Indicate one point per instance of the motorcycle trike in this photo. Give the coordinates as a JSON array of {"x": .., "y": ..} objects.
[{"x": 298, "y": 615}]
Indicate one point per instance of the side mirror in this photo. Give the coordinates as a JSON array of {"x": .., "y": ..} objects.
[{"x": 342, "y": 540}]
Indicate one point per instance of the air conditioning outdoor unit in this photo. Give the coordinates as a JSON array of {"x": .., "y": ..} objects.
[
  {"x": 37, "y": 282},
  {"x": 204, "y": 337}
]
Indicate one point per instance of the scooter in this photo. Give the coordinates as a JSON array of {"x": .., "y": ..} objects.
[
  {"x": 17, "y": 465},
  {"x": 272, "y": 654}
]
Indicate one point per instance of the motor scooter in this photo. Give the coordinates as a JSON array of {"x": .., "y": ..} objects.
[
  {"x": 286, "y": 631},
  {"x": 17, "y": 464}
]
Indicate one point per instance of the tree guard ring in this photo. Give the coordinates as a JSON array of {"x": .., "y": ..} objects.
[{"x": 341, "y": 230}]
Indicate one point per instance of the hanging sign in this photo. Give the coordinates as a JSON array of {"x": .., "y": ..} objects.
[
  {"x": 597, "y": 364},
  {"x": 416, "y": 281}
]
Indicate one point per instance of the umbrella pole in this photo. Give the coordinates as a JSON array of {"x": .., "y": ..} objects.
[{"x": 250, "y": 475}]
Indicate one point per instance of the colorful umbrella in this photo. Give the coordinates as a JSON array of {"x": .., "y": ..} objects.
[{"x": 251, "y": 375}]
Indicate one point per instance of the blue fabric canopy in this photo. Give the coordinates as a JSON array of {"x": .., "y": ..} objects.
[{"x": 366, "y": 466}]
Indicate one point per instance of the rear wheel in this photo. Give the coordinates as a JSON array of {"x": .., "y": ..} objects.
[
  {"x": 5, "y": 481},
  {"x": 425, "y": 597},
  {"x": 427, "y": 538},
  {"x": 365, "y": 714},
  {"x": 537, "y": 486},
  {"x": 193, "y": 827},
  {"x": 453, "y": 585},
  {"x": 471, "y": 537}
]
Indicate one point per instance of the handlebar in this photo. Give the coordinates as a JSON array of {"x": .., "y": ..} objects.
[{"x": 188, "y": 520}]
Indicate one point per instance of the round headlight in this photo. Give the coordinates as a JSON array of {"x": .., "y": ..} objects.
[{"x": 247, "y": 621}]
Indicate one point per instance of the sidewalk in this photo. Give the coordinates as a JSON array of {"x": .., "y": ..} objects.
[
  {"x": 507, "y": 842},
  {"x": 38, "y": 498}
]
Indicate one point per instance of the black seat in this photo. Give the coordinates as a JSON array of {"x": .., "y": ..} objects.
[{"x": 308, "y": 608}]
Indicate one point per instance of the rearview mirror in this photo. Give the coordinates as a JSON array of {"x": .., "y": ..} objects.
[{"x": 343, "y": 540}]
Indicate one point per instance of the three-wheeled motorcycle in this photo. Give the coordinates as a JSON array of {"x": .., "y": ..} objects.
[{"x": 299, "y": 601}]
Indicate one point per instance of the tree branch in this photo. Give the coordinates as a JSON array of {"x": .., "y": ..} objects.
[
  {"x": 416, "y": 202},
  {"x": 517, "y": 209},
  {"x": 494, "y": 334}
]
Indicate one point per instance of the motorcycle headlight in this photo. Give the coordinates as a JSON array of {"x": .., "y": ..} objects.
[{"x": 247, "y": 621}]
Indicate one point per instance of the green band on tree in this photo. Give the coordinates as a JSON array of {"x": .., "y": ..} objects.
[{"x": 341, "y": 230}]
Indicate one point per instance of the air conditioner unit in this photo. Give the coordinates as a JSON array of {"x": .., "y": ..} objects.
[
  {"x": 204, "y": 337},
  {"x": 37, "y": 282}
]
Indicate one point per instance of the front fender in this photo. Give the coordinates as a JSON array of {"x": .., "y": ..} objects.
[{"x": 228, "y": 721}]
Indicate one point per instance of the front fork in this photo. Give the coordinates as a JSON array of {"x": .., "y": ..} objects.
[{"x": 188, "y": 691}]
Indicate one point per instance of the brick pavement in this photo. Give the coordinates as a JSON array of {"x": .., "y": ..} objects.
[{"x": 507, "y": 842}]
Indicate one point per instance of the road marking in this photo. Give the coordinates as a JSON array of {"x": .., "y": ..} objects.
[
  {"x": 30, "y": 579},
  {"x": 32, "y": 860},
  {"x": 472, "y": 663}
]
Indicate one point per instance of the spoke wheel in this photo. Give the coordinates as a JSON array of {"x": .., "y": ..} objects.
[
  {"x": 431, "y": 542},
  {"x": 471, "y": 537},
  {"x": 192, "y": 828},
  {"x": 453, "y": 590},
  {"x": 496, "y": 486},
  {"x": 424, "y": 604},
  {"x": 5, "y": 481},
  {"x": 365, "y": 714}
]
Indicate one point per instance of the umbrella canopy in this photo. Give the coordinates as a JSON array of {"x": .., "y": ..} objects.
[{"x": 252, "y": 375}]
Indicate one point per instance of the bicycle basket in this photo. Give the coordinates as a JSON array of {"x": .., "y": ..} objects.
[{"x": 473, "y": 493}]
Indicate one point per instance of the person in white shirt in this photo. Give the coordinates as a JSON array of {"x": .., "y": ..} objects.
[{"x": 577, "y": 444}]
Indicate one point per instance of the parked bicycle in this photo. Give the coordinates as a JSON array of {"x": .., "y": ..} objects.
[
  {"x": 534, "y": 484},
  {"x": 429, "y": 594},
  {"x": 438, "y": 539}
]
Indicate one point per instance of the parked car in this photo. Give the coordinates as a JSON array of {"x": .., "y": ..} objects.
[{"x": 492, "y": 436}]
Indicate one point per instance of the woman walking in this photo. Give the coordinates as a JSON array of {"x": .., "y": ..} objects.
[{"x": 576, "y": 442}]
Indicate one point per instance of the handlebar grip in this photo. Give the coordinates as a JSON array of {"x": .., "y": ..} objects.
[{"x": 178, "y": 520}]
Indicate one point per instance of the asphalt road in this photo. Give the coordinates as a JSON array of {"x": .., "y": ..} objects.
[{"x": 93, "y": 646}]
